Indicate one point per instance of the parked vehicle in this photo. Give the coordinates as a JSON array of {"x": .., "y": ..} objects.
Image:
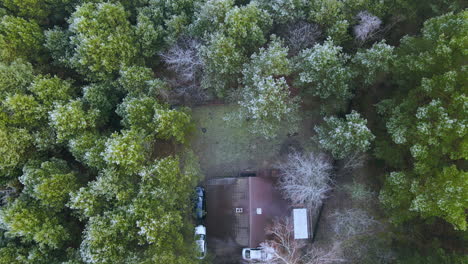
[
  {"x": 256, "y": 254},
  {"x": 200, "y": 204},
  {"x": 200, "y": 240}
]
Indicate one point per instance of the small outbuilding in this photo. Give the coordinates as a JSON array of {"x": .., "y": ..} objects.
[{"x": 301, "y": 223}]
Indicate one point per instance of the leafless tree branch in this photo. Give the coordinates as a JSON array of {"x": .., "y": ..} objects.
[
  {"x": 305, "y": 179},
  {"x": 368, "y": 24},
  {"x": 183, "y": 59},
  {"x": 286, "y": 250},
  {"x": 301, "y": 35},
  {"x": 353, "y": 162},
  {"x": 352, "y": 222},
  {"x": 318, "y": 255}
]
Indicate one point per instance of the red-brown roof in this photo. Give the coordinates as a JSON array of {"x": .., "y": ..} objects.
[
  {"x": 265, "y": 196},
  {"x": 247, "y": 229}
]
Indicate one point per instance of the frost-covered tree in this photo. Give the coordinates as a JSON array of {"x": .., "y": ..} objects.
[
  {"x": 247, "y": 26},
  {"x": 26, "y": 219},
  {"x": 20, "y": 39},
  {"x": 368, "y": 24},
  {"x": 128, "y": 150},
  {"x": 149, "y": 31},
  {"x": 159, "y": 217},
  {"x": 305, "y": 179},
  {"x": 57, "y": 42},
  {"x": 15, "y": 77},
  {"x": 139, "y": 81},
  {"x": 71, "y": 119},
  {"x": 323, "y": 71},
  {"x": 146, "y": 114},
  {"x": 223, "y": 64},
  {"x": 270, "y": 61},
  {"x": 269, "y": 106},
  {"x": 24, "y": 110},
  {"x": 266, "y": 100},
  {"x": 443, "y": 195},
  {"x": 336, "y": 16},
  {"x": 373, "y": 62},
  {"x": 49, "y": 90},
  {"x": 427, "y": 125},
  {"x": 138, "y": 113},
  {"x": 285, "y": 11},
  {"x": 210, "y": 16},
  {"x": 36, "y": 9},
  {"x": 110, "y": 238},
  {"x": 242, "y": 32},
  {"x": 343, "y": 137},
  {"x": 173, "y": 124},
  {"x": 43, "y": 11},
  {"x": 87, "y": 148},
  {"x": 28, "y": 109},
  {"x": 15, "y": 145},
  {"x": 102, "y": 98},
  {"x": 103, "y": 40},
  {"x": 51, "y": 182}
]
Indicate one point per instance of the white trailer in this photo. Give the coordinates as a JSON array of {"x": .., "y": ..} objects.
[{"x": 301, "y": 223}]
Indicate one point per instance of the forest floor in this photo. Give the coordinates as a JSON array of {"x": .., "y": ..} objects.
[{"x": 341, "y": 199}]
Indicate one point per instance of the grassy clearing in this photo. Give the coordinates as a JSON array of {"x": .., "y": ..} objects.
[{"x": 224, "y": 148}]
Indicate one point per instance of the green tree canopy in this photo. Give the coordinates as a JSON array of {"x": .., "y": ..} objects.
[
  {"x": 15, "y": 144},
  {"x": 103, "y": 38},
  {"x": 323, "y": 72},
  {"x": 266, "y": 99},
  {"x": 128, "y": 149},
  {"x": 427, "y": 124},
  {"x": 71, "y": 119},
  {"x": 242, "y": 32},
  {"x": 49, "y": 90},
  {"x": 15, "y": 77},
  {"x": 110, "y": 238},
  {"x": 344, "y": 137},
  {"x": 26, "y": 219},
  {"x": 373, "y": 62},
  {"x": 51, "y": 182},
  {"x": 20, "y": 39}
]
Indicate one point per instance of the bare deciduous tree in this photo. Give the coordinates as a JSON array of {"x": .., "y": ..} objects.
[
  {"x": 319, "y": 255},
  {"x": 301, "y": 35},
  {"x": 353, "y": 162},
  {"x": 305, "y": 179},
  {"x": 353, "y": 222},
  {"x": 283, "y": 247},
  {"x": 368, "y": 25},
  {"x": 286, "y": 250},
  {"x": 184, "y": 60}
]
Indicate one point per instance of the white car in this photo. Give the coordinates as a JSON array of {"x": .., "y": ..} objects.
[
  {"x": 256, "y": 254},
  {"x": 200, "y": 241}
]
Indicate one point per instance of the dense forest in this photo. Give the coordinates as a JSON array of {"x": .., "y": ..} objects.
[{"x": 96, "y": 98}]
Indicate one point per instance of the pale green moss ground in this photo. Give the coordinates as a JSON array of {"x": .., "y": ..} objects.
[{"x": 225, "y": 148}]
